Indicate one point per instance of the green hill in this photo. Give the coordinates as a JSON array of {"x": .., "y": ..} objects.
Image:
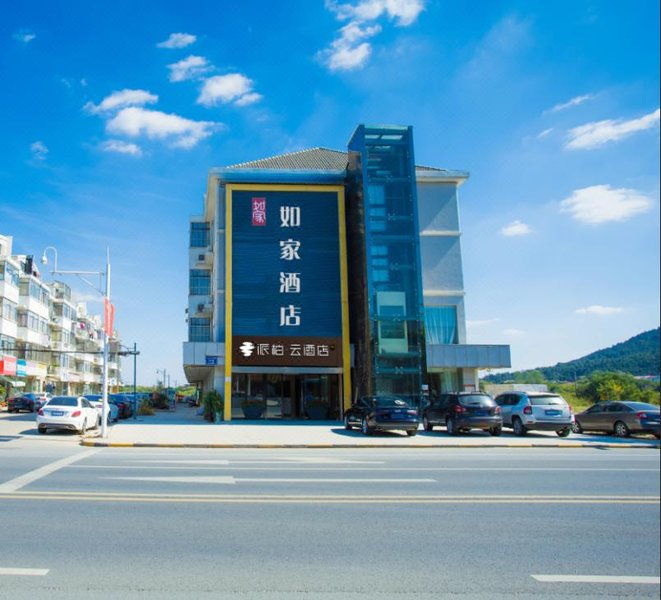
[{"x": 637, "y": 356}]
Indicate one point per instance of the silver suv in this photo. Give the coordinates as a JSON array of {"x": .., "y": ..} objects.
[{"x": 545, "y": 411}]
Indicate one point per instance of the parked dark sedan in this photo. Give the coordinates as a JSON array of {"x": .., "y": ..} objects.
[
  {"x": 463, "y": 411},
  {"x": 19, "y": 403},
  {"x": 621, "y": 418},
  {"x": 123, "y": 403},
  {"x": 382, "y": 413},
  {"x": 30, "y": 401}
]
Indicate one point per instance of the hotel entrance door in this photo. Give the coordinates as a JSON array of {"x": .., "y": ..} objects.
[{"x": 285, "y": 396}]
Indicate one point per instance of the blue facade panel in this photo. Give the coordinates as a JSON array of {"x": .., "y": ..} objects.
[{"x": 286, "y": 264}]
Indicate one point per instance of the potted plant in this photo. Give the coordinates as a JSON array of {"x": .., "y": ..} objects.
[
  {"x": 212, "y": 403},
  {"x": 316, "y": 409},
  {"x": 253, "y": 408}
]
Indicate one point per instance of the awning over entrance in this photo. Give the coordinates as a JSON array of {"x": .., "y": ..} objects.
[{"x": 13, "y": 382}]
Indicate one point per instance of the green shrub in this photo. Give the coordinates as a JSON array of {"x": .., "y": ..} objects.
[{"x": 212, "y": 402}]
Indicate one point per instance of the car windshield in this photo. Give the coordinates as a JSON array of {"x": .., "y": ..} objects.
[
  {"x": 476, "y": 400},
  {"x": 388, "y": 401},
  {"x": 547, "y": 400},
  {"x": 63, "y": 401},
  {"x": 641, "y": 406}
]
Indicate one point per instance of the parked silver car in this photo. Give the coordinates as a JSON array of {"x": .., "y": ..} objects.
[{"x": 544, "y": 411}]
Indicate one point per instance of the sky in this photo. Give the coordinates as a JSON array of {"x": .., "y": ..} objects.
[{"x": 113, "y": 113}]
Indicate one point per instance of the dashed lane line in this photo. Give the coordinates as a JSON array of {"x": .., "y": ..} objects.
[
  {"x": 23, "y": 572},
  {"x": 628, "y": 579}
]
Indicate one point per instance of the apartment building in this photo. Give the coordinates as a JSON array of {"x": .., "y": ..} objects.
[
  {"x": 48, "y": 341},
  {"x": 326, "y": 275}
]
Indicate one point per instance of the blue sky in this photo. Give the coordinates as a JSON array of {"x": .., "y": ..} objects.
[{"x": 113, "y": 112}]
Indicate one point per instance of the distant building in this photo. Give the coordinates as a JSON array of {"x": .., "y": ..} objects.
[
  {"x": 48, "y": 342},
  {"x": 321, "y": 276}
]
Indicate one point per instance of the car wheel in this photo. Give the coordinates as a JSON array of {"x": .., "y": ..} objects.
[
  {"x": 41, "y": 429},
  {"x": 365, "y": 428},
  {"x": 411, "y": 432},
  {"x": 31, "y": 408},
  {"x": 564, "y": 432},
  {"x": 495, "y": 431},
  {"x": 576, "y": 427},
  {"x": 517, "y": 427},
  {"x": 450, "y": 426},
  {"x": 347, "y": 425},
  {"x": 621, "y": 429},
  {"x": 426, "y": 424}
]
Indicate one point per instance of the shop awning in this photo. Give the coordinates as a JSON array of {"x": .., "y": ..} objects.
[{"x": 13, "y": 382}]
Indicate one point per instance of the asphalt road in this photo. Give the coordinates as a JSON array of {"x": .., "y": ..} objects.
[{"x": 328, "y": 524}]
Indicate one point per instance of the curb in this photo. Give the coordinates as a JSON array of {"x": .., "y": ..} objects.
[{"x": 601, "y": 446}]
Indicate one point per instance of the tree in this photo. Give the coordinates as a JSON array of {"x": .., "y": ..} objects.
[{"x": 610, "y": 385}]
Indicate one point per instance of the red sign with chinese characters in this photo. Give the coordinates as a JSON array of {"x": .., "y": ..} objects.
[
  {"x": 259, "y": 212},
  {"x": 7, "y": 365},
  {"x": 108, "y": 316}
]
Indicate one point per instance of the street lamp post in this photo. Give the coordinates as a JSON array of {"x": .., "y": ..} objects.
[{"x": 106, "y": 336}]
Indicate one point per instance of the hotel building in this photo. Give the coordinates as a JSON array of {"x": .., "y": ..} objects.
[{"x": 320, "y": 276}]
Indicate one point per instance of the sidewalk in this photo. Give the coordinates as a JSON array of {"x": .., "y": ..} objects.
[{"x": 183, "y": 428}]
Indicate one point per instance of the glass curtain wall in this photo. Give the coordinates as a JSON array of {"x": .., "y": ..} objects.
[{"x": 387, "y": 287}]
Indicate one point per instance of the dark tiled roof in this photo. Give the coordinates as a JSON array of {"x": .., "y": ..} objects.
[{"x": 313, "y": 159}]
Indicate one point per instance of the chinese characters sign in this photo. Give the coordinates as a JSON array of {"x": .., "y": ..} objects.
[
  {"x": 286, "y": 351},
  {"x": 286, "y": 280}
]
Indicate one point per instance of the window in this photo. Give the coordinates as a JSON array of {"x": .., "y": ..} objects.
[
  {"x": 199, "y": 235},
  {"x": 7, "y": 344},
  {"x": 441, "y": 324},
  {"x": 9, "y": 274},
  {"x": 8, "y": 310},
  {"x": 200, "y": 282},
  {"x": 199, "y": 329}
]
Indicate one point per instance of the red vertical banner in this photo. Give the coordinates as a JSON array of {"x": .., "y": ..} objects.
[{"x": 108, "y": 316}]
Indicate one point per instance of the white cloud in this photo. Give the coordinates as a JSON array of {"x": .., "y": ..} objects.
[
  {"x": 514, "y": 332},
  {"x": 480, "y": 322},
  {"x": 344, "y": 54},
  {"x": 248, "y": 99},
  {"x": 593, "y": 135},
  {"x": 515, "y": 228},
  {"x": 404, "y": 12},
  {"x": 39, "y": 150},
  {"x": 178, "y": 40},
  {"x": 349, "y": 50},
  {"x": 601, "y": 311},
  {"x": 121, "y": 147},
  {"x": 180, "y": 132},
  {"x": 602, "y": 204},
  {"x": 225, "y": 89},
  {"x": 24, "y": 35},
  {"x": 573, "y": 102},
  {"x": 121, "y": 99},
  {"x": 543, "y": 134},
  {"x": 189, "y": 68}
]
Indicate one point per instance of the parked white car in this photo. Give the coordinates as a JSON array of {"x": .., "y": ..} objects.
[
  {"x": 68, "y": 412},
  {"x": 96, "y": 400},
  {"x": 545, "y": 411}
]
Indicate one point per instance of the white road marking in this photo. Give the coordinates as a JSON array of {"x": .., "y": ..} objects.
[
  {"x": 19, "y": 571},
  {"x": 184, "y": 462},
  {"x": 233, "y": 480},
  {"x": 22, "y": 480},
  {"x": 204, "y": 465},
  {"x": 635, "y": 579},
  {"x": 304, "y": 460}
]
